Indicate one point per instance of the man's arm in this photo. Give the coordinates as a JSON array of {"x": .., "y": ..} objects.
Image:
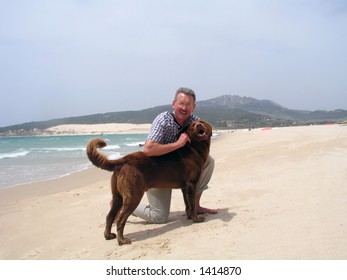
[{"x": 152, "y": 148}]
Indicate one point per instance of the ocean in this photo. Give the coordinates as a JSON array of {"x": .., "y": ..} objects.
[{"x": 31, "y": 159}]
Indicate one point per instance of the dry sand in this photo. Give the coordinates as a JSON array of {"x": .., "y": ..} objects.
[{"x": 281, "y": 194}]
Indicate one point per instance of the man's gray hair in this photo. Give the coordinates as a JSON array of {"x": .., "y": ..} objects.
[{"x": 186, "y": 91}]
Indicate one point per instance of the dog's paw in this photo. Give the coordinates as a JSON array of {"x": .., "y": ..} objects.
[
  {"x": 110, "y": 236},
  {"x": 124, "y": 241},
  {"x": 198, "y": 219}
]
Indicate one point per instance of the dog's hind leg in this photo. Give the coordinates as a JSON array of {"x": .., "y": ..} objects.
[
  {"x": 122, "y": 217},
  {"x": 116, "y": 205},
  {"x": 117, "y": 202},
  {"x": 131, "y": 186}
]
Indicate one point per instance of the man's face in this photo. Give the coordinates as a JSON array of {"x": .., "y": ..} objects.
[{"x": 183, "y": 106}]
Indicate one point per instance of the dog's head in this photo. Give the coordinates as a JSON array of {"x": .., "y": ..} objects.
[{"x": 199, "y": 130}]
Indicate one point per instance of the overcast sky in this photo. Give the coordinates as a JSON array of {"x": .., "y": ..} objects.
[{"x": 62, "y": 58}]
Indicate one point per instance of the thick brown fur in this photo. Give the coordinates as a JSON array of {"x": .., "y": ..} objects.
[{"x": 136, "y": 173}]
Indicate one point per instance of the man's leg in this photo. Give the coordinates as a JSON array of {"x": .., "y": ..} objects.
[
  {"x": 202, "y": 185},
  {"x": 158, "y": 210}
]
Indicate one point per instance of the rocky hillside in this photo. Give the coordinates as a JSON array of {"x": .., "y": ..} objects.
[{"x": 227, "y": 111}]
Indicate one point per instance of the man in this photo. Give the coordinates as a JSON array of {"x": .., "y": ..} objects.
[{"x": 161, "y": 140}]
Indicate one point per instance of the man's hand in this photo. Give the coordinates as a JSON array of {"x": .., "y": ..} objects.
[{"x": 182, "y": 141}]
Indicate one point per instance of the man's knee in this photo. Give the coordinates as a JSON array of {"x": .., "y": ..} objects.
[
  {"x": 211, "y": 162},
  {"x": 209, "y": 165},
  {"x": 159, "y": 218},
  {"x": 152, "y": 215}
]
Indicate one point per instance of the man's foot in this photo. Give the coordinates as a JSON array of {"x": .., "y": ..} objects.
[{"x": 202, "y": 210}]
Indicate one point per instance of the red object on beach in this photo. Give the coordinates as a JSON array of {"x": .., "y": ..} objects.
[{"x": 267, "y": 128}]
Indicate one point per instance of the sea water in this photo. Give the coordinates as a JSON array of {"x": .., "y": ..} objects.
[{"x": 32, "y": 159}]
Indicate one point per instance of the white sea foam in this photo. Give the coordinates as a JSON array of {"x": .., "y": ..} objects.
[
  {"x": 112, "y": 147},
  {"x": 15, "y": 154},
  {"x": 65, "y": 149},
  {"x": 114, "y": 156},
  {"x": 134, "y": 144}
]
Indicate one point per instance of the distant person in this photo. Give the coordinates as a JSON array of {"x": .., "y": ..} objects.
[{"x": 162, "y": 139}]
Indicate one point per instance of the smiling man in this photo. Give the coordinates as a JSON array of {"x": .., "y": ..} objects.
[{"x": 164, "y": 138}]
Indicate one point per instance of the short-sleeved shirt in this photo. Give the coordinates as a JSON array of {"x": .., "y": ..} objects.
[{"x": 164, "y": 129}]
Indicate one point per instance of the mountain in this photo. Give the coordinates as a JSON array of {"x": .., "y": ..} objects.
[
  {"x": 226, "y": 111},
  {"x": 270, "y": 108}
]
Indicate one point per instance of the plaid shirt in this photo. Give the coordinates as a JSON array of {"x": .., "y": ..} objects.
[{"x": 164, "y": 129}]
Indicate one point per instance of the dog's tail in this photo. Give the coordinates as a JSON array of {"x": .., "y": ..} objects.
[{"x": 100, "y": 160}]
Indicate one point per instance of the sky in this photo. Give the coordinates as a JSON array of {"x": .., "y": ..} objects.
[{"x": 64, "y": 58}]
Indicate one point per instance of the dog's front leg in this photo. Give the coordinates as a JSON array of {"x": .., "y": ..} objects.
[
  {"x": 186, "y": 203},
  {"x": 189, "y": 194}
]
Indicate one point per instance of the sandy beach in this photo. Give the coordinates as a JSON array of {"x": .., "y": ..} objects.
[
  {"x": 108, "y": 128},
  {"x": 281, "y": 194}
]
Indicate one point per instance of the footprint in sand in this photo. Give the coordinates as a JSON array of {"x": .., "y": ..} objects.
[{"x": 34, "y": 253}]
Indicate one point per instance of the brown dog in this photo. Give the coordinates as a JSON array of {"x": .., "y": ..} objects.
[{"x": 136, "y": 173}]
